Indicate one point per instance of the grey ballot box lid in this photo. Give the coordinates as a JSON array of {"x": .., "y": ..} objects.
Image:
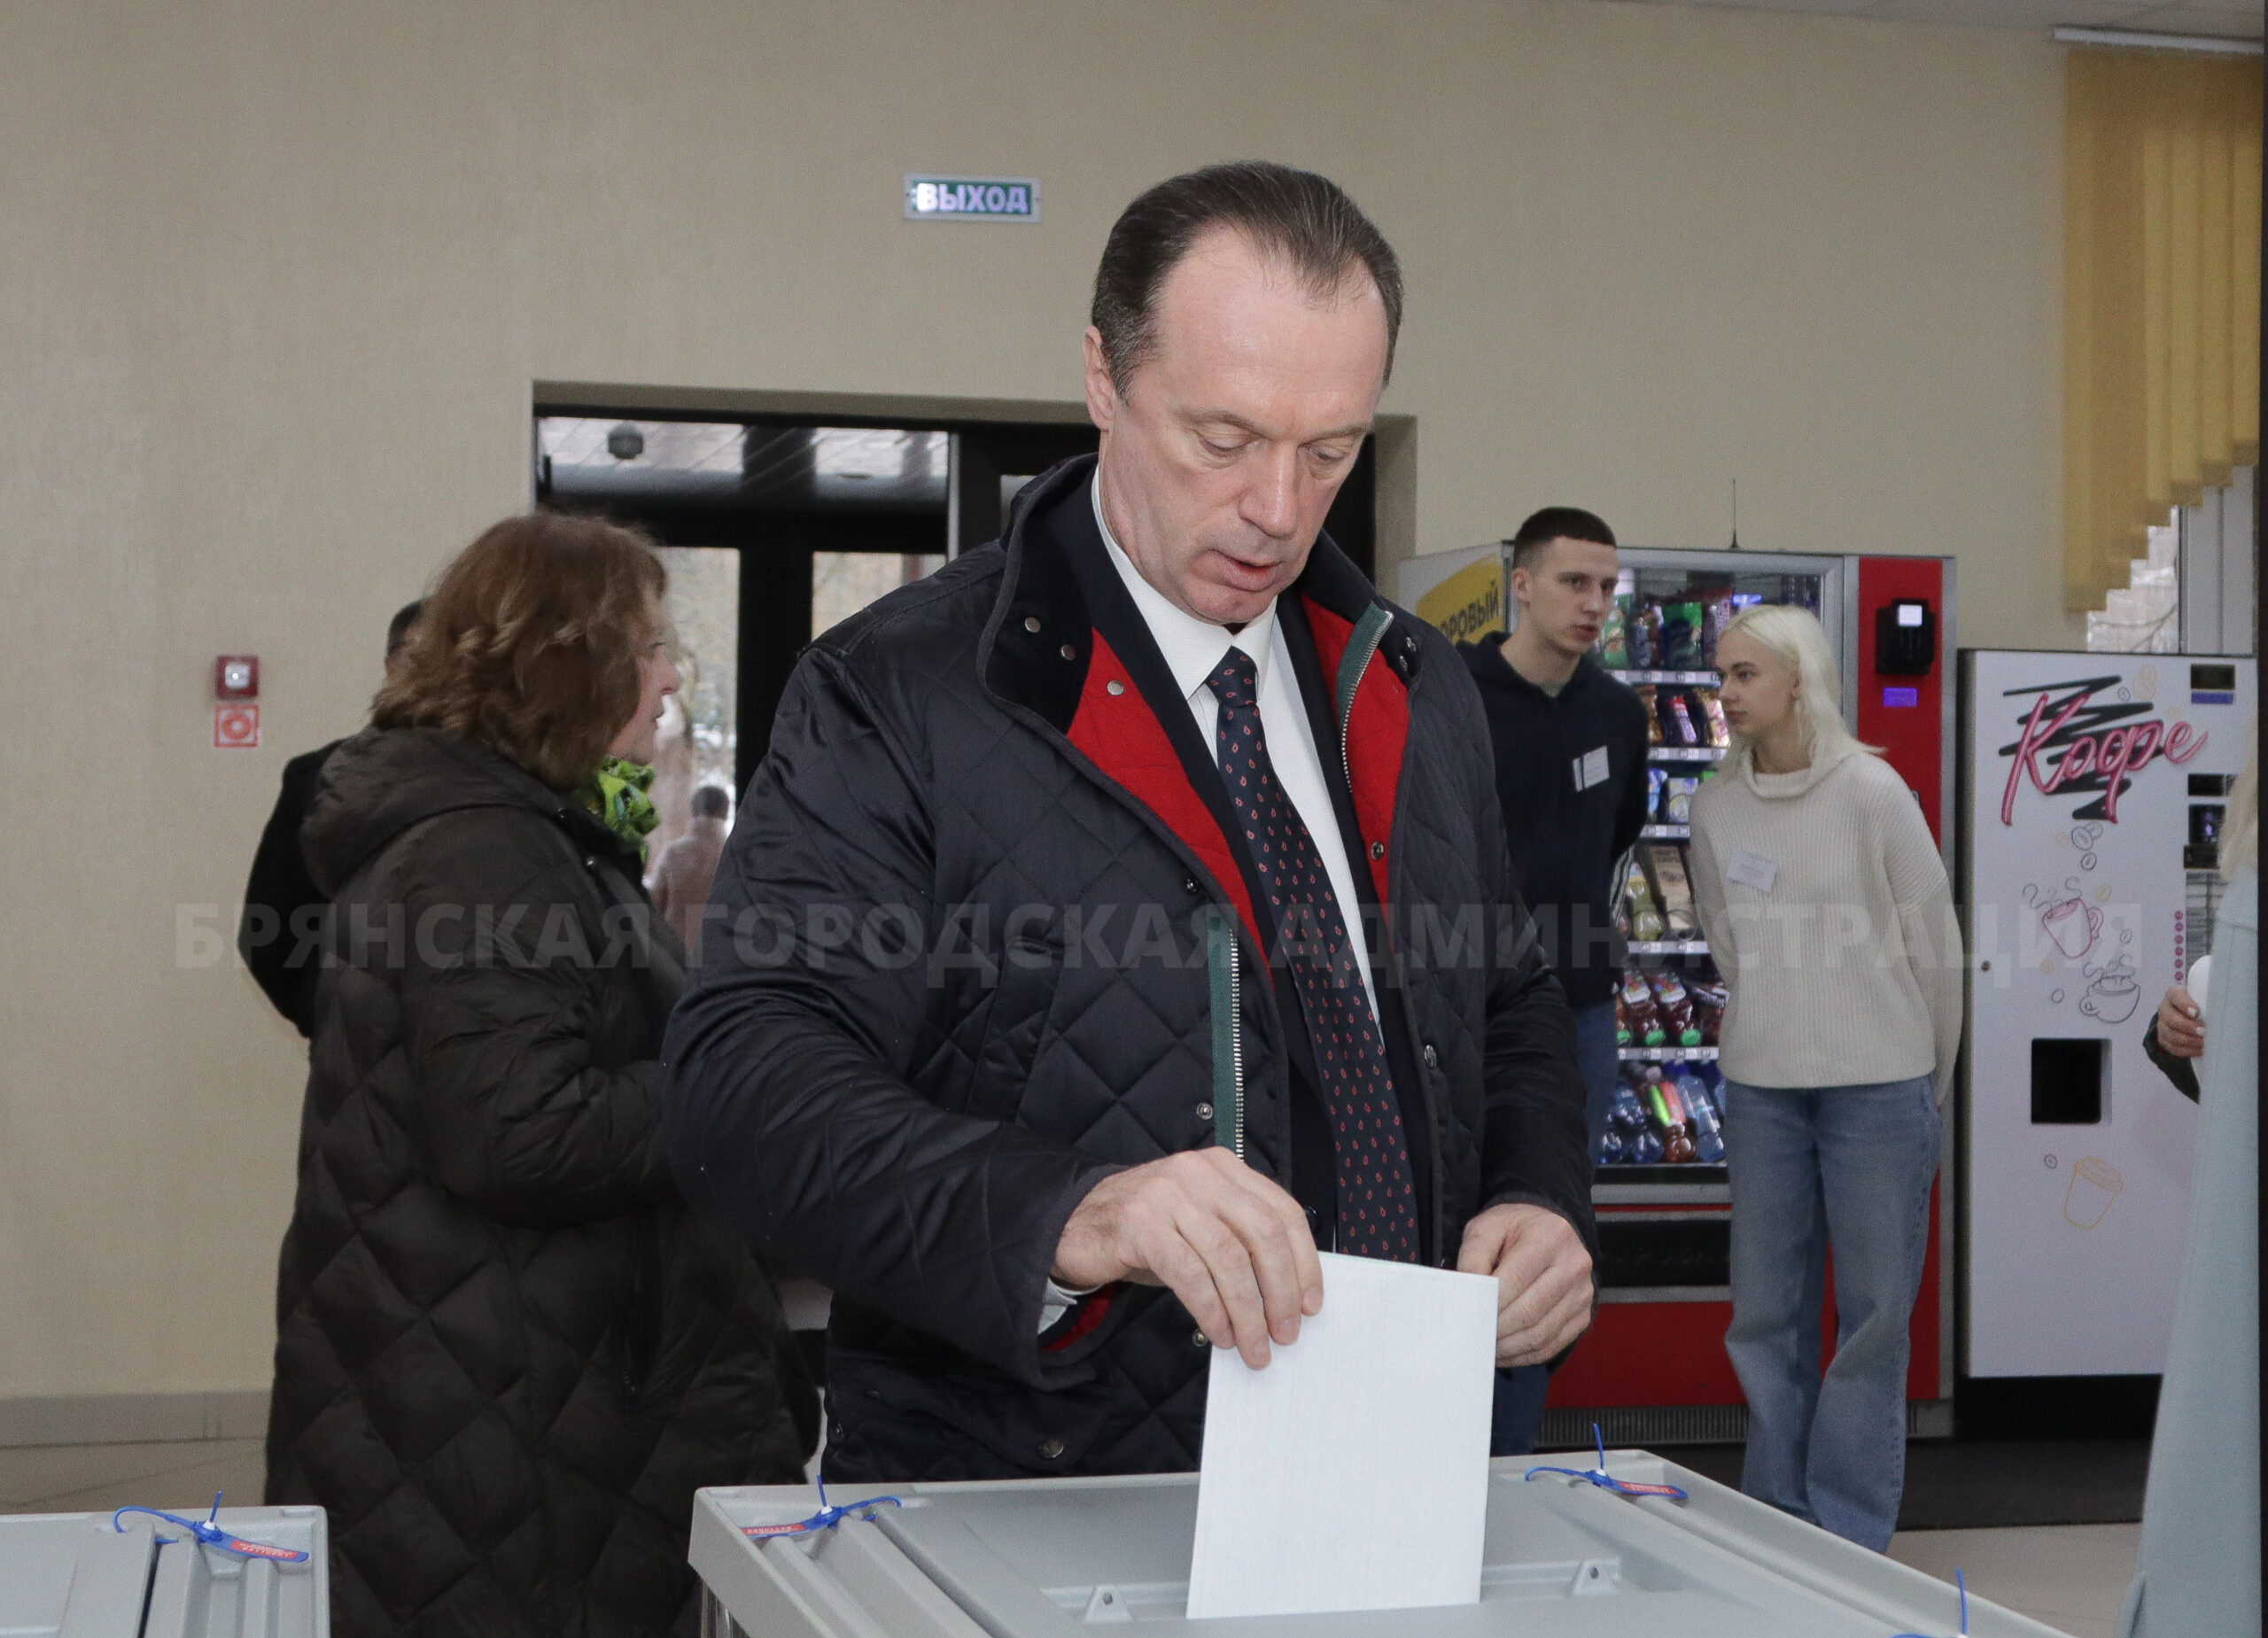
[
  {"x": 71, "y": 1575},
  {"x": 1054, "y": 1557}
]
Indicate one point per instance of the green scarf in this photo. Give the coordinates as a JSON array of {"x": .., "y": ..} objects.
[{"x": 616, "y": 795}]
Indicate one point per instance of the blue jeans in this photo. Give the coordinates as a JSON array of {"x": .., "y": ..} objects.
[
  {"x": 1595, "y": 1056},
  {"x": 1849, "y": 1165},
  {"x": 1518, "y": 1421}
]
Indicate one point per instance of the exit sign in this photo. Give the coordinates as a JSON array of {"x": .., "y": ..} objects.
[{"x": 972, "y": 199}]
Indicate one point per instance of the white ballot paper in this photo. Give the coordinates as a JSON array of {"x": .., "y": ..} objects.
[{"x": 1352, "y": 1474}]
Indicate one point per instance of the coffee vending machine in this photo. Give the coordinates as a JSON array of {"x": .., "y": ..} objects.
[{"x": 2093, "y": 788}]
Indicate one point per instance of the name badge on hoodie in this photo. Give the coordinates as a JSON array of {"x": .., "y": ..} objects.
[{"x": 1590, "y": 769}]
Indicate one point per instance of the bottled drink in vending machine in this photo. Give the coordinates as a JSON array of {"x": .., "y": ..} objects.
[
  {"x": 1669, "y": 1115},
  {"x": 1640, "y": 1010},
  {"x": 1708, "y": 1135},
  {"x": 1679, "y": 1026},
  {"x": 1626, "y": 1112},
  {"x": 1644, "y": 920}
]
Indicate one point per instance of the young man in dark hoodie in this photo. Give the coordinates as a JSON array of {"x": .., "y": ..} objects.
[{"x": 1570, "y": 772}]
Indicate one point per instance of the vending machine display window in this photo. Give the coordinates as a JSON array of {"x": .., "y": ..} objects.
[{"x": 1662, "y": 637}]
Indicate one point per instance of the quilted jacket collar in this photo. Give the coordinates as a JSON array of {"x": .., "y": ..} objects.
[{"x": 1042, "y": 609}]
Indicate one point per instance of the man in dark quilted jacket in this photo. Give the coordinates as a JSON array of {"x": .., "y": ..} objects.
[{"x": 1123, "y": 913}]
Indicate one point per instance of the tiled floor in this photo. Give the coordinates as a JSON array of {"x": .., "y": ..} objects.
[
  {"x": 2072, "y": 1577},
  {"x": 1985, "y": 1484}
]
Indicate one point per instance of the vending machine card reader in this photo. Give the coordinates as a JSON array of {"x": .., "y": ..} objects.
[{"x": 1906, "y": 637}]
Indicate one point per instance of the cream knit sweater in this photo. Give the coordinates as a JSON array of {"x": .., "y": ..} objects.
[{"x": 1827, "y": 908}]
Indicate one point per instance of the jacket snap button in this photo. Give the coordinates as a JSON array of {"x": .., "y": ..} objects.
[
  {"x": 1204, "y": 1112},
  {"x": 1069, "y": 652},
  {"x": 1433, "y": 1058},
  {"x": 1378, "y": 849},
  {"x": 1052, "y": 1449},
  {"x": 1197, "y": 1339},
  {"x": 1031, "y": 623},
  {"x": 1188, "y": 884},
  {"x": 592, "y": 862},
  {"x": 1115, "y": 687}
]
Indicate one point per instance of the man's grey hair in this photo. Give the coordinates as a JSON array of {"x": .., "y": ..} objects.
[{"x": 1305, "y": 218}]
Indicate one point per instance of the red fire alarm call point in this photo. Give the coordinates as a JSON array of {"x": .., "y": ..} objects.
[{"x": 236, "y": 677}]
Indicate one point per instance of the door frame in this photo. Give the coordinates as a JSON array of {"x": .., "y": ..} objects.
[{"x": 989, "y": 436}]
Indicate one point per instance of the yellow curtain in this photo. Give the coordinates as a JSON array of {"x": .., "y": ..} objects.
[{"x": 2162, "y": 283}]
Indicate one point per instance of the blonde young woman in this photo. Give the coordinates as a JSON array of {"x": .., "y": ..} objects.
[{"x": 1824, "y": 898}]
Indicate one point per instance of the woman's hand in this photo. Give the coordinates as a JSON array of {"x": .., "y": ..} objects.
[{"x": 2181, "y": 1024}]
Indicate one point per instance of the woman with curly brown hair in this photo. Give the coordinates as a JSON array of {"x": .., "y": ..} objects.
[{"x": 507, "y": 1354}]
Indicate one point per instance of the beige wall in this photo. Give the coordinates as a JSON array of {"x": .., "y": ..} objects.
[{"x": 277, "y": 279}]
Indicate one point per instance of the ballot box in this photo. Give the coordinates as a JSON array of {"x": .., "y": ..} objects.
[
  {"x": 74, "y": 1575},
  {"x": 1033, "y": 1557}
]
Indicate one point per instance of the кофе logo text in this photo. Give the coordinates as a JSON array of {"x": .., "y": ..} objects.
[{"x": 2094, "y": 756}]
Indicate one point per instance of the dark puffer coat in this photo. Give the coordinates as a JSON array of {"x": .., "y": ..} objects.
[
  {"x": 989, "y": 933},
  {"x": 506, "y": 1352}
]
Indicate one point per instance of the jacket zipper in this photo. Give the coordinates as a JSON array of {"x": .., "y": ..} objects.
[
  {"x": 1225, "y": 980},
  {"x": 1368, "y": 636},
  {"x": 1236, "y": 1036}
]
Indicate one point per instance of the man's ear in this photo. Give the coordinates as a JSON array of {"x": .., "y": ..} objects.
[
  {"x": 1521, "y": 585},
  {"x": 1102, "y": 392}
]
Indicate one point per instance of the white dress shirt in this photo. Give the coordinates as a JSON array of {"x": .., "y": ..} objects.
[{"x": 1193, "y": 650}]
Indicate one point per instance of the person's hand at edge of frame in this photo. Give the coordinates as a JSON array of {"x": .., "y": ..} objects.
[
  {"x": 1231, "y": 1244},
  {"x": 2181, "y": 1024},
  {"x": 1543, "y": 1279}
]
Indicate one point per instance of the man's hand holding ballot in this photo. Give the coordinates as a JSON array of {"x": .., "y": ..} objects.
[{"x": 1232, "y": 1246}]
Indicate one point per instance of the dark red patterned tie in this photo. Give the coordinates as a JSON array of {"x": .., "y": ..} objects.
[{"x": 1378, "y": 1200}]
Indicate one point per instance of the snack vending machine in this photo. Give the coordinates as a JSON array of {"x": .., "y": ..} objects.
[
  {"x": 2094, "y": 787},
  {"x": 1652, "y": 1369}
]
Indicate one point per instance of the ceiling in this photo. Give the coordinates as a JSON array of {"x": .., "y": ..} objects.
[{"x": 2233, "y": 18}]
